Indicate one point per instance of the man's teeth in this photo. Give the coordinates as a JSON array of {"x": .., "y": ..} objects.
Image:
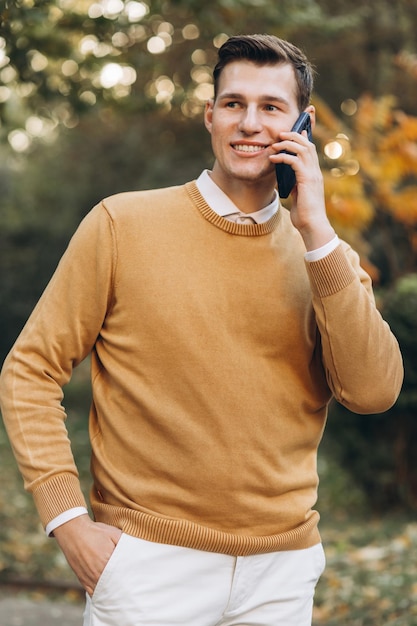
[{"x": 246, "y": 148}]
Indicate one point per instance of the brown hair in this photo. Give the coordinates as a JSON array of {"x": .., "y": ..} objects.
[{"x": 267, "y": 50}]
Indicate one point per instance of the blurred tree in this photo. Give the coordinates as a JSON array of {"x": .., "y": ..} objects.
[
  {"x": 63, "y": 57},
  {"x": 101, "y": 96},
  {"x": 60, "y": 58},
  {"x": 370, "y": 171},
  {"x": 379, "y": 451},
  {"x": 365, "y": 55},
  {"x": 43, "y": 202}
]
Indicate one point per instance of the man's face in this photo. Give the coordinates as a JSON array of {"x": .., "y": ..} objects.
[{"x": 253, "y": 104}]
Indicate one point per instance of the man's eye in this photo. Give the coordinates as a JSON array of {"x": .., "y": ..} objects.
[
  {"x": 271, "y": 107},
  {"x": 232, "y": 105}
]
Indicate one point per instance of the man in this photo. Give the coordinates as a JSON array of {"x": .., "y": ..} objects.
[{"x": 220, "y": 326}]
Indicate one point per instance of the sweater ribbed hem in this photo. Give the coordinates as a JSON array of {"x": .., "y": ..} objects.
[
  {"x": 248, "y": 230},
  {"x": 191, "y": 535}
]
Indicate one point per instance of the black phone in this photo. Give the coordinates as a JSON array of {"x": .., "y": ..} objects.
[{"x": 285, "y": 174}]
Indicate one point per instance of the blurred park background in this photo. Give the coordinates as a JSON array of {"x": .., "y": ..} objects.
[{"x": 102, "y": 96}]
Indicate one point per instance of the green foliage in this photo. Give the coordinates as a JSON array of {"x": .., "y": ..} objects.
[
  {"x": 400, "y": 311},
  {"x": 63, "y": 181},
  {"x": 55, "y": 51},
  {"x": 379, "y": 451}
]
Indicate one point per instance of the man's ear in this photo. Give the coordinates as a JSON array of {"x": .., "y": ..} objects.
[
  {"x": 311, "y": 110},
  {"x": 208, "y": 114}
]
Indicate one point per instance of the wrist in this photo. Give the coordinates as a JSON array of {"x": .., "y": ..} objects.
[
  {"x": 72, "y": 526},
  {"x": 317, "y": 235}
]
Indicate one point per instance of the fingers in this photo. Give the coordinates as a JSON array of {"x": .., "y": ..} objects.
[
  {"x": 94, "y": 553},
  {"x": 291, "y": 145},
  {"x": 297, "y": 137},
  {"x": 88, "y": 546},
  {"x": 113, "y": 532}
]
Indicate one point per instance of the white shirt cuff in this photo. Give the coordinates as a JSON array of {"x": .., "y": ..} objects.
[
  {"x": 64, "y": 517},
  {"x": 320, "y": 253}
]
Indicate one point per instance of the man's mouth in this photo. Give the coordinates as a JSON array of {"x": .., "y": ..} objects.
[{"x": 241, "y": 147}]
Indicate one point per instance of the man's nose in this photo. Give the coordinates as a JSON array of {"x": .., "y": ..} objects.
[{"x": 250, "y": 121}]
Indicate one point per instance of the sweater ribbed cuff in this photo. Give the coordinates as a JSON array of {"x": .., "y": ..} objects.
[
  {"x": 56, "y": 495},
  {"x": 331, "y": 274}
]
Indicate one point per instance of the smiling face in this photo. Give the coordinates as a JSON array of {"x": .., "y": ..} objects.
[{"x": 253, "y": 104}]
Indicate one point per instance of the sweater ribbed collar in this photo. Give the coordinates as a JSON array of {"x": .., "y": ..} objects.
[{"x": 248, "y": 230}]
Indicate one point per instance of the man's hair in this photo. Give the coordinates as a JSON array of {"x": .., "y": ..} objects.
[{"x": 267, "y": 50}]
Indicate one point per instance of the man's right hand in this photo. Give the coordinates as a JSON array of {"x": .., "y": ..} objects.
[{"x": 87, "y": 546}]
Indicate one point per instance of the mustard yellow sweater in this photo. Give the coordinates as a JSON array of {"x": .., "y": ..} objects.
[{"x": 215, "y": 351}]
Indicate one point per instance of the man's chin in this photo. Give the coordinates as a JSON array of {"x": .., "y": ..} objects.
[{"x": 256, "y": 177}]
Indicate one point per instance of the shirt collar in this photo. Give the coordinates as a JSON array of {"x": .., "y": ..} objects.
[{"x": 222, "y": 204}]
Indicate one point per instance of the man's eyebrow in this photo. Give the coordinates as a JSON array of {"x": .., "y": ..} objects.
[
  {"x": 228, "y": 95},
  {"x": 262, "y": 98}
]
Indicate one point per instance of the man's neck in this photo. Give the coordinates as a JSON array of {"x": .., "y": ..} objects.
[{"x": 248, "y": 197}]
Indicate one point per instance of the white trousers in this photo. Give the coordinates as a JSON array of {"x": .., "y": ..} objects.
[{"x": 152, "y": 584}]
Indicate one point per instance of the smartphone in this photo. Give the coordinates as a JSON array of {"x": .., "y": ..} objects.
[{"x": 285, "y": 174}]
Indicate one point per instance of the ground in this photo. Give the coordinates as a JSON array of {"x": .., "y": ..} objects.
[{"x": 19, "y": 609}]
